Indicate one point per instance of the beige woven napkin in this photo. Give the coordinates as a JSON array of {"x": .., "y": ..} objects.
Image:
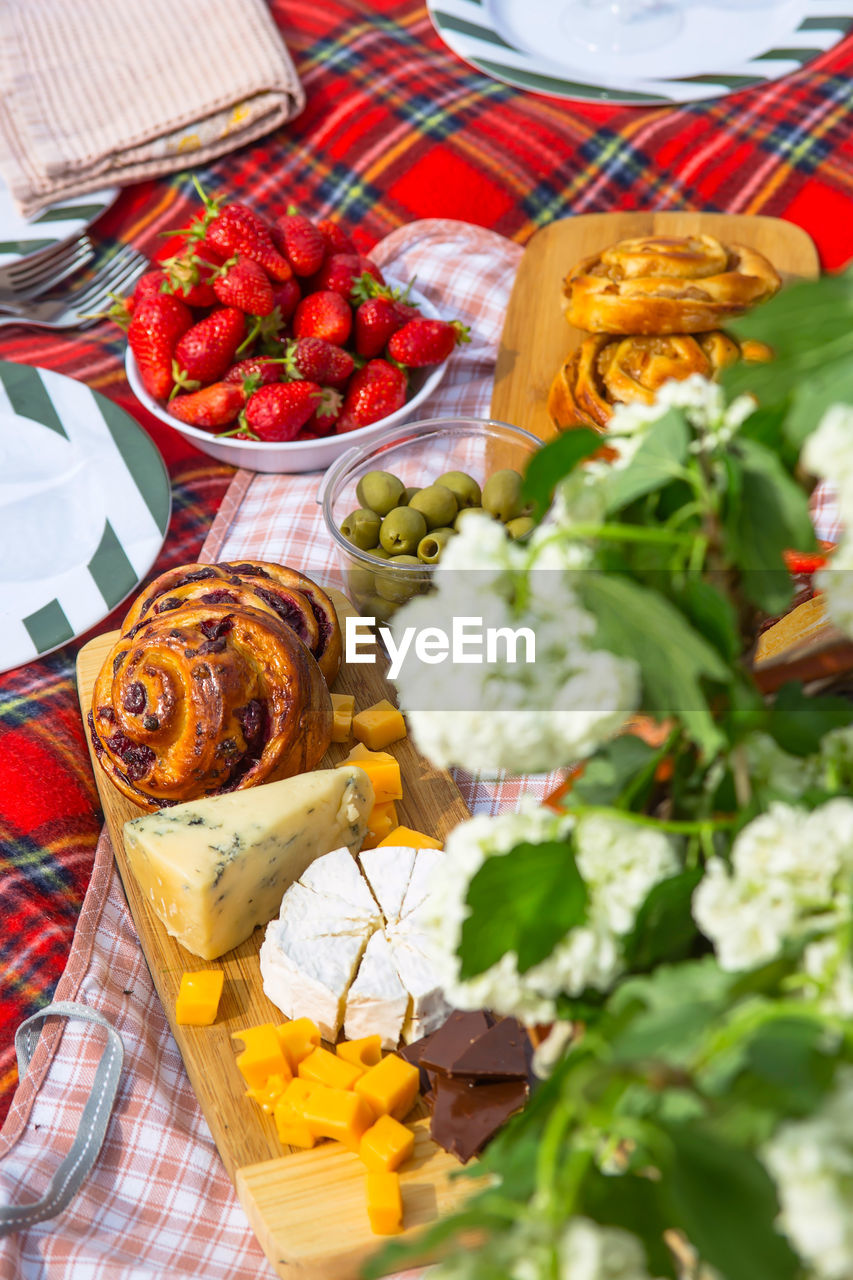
[{"x": 101, "y": 92}]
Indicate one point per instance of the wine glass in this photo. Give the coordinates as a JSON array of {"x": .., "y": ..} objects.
[{"x": 621, "y": 26}]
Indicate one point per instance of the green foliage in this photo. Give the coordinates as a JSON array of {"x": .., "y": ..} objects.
[
  {"x": 658, "y": 461},
  {"x": 619, "y": 774},
  {"x": 798, "y": 723},
  {"x": 554, "y": 462},
  {"x": 663, "y": 927},
  {"x": 524, "y": 901}
]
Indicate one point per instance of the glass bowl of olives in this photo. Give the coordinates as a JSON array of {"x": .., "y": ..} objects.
[{"x": 392, "y": 506}]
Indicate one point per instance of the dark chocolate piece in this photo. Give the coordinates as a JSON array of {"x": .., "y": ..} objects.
[
  {"x": 412, "y": 1053},
  {"x": 466, "y": 1115},
  {"x": 451, "y": 1040},
  {"x": 498, "y": 1054}
]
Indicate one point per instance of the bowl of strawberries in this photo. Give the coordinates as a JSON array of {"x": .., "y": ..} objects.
[{"x": 274, "y": 345}]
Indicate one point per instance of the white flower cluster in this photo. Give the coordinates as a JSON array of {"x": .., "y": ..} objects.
[
  {"x": 516, "y": 715},
  {"x": 828, "y": 454},
  {"x": 811, "y": 1161},
  {"x": 790, "y": 878},
  {"x": 537, "y": 1250},
  {"x": 619, "y": 861}
]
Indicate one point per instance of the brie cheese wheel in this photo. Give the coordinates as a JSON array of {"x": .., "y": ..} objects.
[
  {"x": 214, "y": 869},
  {"x": 349, "y": 948}
]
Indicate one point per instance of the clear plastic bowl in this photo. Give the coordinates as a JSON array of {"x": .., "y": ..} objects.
[{"x": 418, "y": 454}]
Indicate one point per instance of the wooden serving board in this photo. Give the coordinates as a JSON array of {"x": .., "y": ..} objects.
[
  {"x": 537, "y": 339},
  {"x": 307, "y": 1208}
]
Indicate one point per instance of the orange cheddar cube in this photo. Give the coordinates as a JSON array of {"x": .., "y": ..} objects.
[
  {"x": 365, "y": 1052},
  {"x": 382, "y": 770},
  {"x": 386, "y": 1145},
  {"x": 380, "y": 821},
  {"x": 411, "y": 839},
  {"x": 327, "y": 1068},
  {"x": 384, "y": 1203},
  {"x": 262, "y": 1056},
  {"x": 343, "y": 706},
  {"x": 268, "y": 1094},
  {"x": 337, "y": 1113},
  {"x": 378, "y": 726},
  {"x": 390, "y": 1087},
  {"x": 298, "y": 1038},
  {"x": 288, "y": 1114},
  {"x": 198, "y": 997}
]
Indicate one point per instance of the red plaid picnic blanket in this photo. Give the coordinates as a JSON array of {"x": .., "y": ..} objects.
[{"x": 396, "y": 128}]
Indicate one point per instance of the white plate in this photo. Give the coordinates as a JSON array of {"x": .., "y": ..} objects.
[
  {"x": 85, "y": 501},
  {"x": 295, "y": 455},
  {"x": 722, "y": 46},
  {"x": 21, "y": 236}
]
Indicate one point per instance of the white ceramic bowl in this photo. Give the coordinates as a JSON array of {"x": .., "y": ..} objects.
[{"x": 294, "y": 455}]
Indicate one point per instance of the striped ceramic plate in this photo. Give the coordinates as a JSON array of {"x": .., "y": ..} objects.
[
  {"x": 84, "y": 507},
  {"x": 20, "y": 236},
  {"x": 706, "y": 48}
]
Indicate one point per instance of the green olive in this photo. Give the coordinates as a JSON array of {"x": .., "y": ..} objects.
[
  {"x": 437, "y": 504},
  {"x": 402, "y": 530},
  {"x": 380, "y": 491},
  {"x": 361, "y": 528},
  {"x": 465, "y": 513},
  {"x": 411, "y": 490},
  {"x": 431, "y": 547},
  {"x": 380, "y": 552},
  {"x": 463, "y": 487},
  {"x": 519, "y": 527},
  {"x": 399, "y": 587},
  {"x": 375, "y": 607},
  {"x": 360, "y": 582},
  {"x": 502, "y": 495}
]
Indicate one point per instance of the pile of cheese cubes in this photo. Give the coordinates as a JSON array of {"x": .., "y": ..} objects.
[
  {"x": 375, "y": 728},
  {"x": 353, "y": 1095}
]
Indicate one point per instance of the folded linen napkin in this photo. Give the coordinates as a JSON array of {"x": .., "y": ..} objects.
[{"x": 102, "y": 92}]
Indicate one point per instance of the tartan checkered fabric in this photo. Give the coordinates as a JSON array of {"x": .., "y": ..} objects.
[{"x": 396, "y": 128}]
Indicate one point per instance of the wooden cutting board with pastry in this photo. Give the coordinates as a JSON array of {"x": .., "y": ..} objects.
[{"x": 607, "y": 307}]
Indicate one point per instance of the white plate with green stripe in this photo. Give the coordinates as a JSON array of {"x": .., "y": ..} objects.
[
  {"x": 706, "y": 49},
  {"x": 85, "y": 502},
  {"x": 21, "y": 236}
]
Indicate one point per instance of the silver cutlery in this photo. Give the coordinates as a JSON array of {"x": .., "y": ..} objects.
[
  {"x": 79, "y": 306},
  {"x": 38, "y": 272}
]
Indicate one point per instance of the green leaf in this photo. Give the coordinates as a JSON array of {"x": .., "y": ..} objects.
[
  {"x": 663, "y": 927},
  {"x": 725, "y": 1201},
  {"x": 552, "y": 463},
  {"x": 798, "y": 723},
  {"x": 658, "y": 461},
  {"x": 632, "y": 1203},
  {"x": 810, "y": 400},
  {"x": 711, "y": 614},
  {"x": 665, "y": 1016},
  {"x": 770, "y": 516},
  {"x": 637, "y": 622},
  {"x": 608, "y": 773},
  {"x": 524, "y": 901}
]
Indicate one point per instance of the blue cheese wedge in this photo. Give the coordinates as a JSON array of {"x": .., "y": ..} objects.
[{"x": 214, "y": 869}]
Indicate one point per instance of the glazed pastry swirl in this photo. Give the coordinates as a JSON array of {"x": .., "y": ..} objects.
[
  {"x": 256, "y": 584},
  {"x": 606, "y": 370},
  {"x": 205, "y": 698},
  {"x": 666, "y": 284}
]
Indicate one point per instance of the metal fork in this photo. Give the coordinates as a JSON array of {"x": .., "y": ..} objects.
[
  {"x": 78, "y": 308},
  {"x": 40, "y": 271}
]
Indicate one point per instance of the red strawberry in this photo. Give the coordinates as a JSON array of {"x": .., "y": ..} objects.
[
  {"x": 301, "y": 242},
  {"x": 262, "y": 368},
  {"x": 422, "y": 342},
  {"x": 325, "y": 417},
  {"x": 238, "y": 229},
  {"x": 286, "y": 297},
  {"x": 242, "y": 283},
  {"x": 337, "y": 241},
  {"x": 207, "y": 349},
  {"x": 189, "y": 275},
  {"x": 279, "y": 411},
  {"x": 158, "y": 323},
  {"x": 323, "y": 315},
  {"x": 147, "y": 286},
  {"x": 375, "y": 321},
  {"x": 340, "y": 272},
  {"x": 374, "y": 391},
  {"x": 318, "y": 361},
  {"x": 211, "y": 407}
]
